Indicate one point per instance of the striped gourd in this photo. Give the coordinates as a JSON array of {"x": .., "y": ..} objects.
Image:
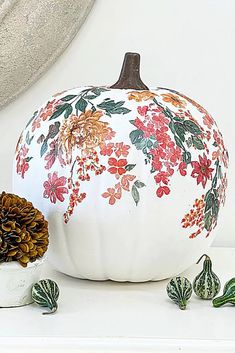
[
  {"x": 228, "y": 294},
  {"x": 206, "y": 285},
  {"x": 179, "y": 289},
  {"x": 46, "y": 293}
]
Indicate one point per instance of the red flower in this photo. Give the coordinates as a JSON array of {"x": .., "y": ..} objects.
[
  {"x": 182, "y": 168},
  {"x": 202, "y": 170},
  {"x": 162, "y": 190},
  {"x": 162, "y": 177},
  {"x": 55, "y": 188},
  {"x": 117, "y": 166},
  {"x": 143, "y": 110}
]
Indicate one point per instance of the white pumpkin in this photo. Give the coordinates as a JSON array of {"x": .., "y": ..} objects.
[{"x": 131, "y": 180}]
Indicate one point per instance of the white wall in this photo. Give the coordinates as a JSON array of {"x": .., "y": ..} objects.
[{"x": 188, "y": 45}]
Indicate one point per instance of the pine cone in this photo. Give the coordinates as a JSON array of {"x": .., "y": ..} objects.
[{"x": 23, "y": 230}]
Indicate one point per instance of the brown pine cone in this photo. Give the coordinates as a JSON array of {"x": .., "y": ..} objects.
[{"x": 23, "y": 230}]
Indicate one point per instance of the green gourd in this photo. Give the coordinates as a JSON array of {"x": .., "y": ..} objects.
[
  {"x": 46, "y": 293},
  {"x": 179, "y": 289},
  {"x": 206, "y": 285},
  {"x": 228, "y": 294}
]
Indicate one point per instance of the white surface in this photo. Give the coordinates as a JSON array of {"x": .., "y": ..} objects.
[
  {"x": 185, "y": 44},
  {"x": 127, "y": 317}
]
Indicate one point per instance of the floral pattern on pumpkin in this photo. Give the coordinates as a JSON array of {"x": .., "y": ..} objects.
[{"x": 165, "y": 132}]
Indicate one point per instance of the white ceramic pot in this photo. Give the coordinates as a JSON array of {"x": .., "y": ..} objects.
[
  {"x": 131, "y": 180},
  {"x": 16, "y": 282}
]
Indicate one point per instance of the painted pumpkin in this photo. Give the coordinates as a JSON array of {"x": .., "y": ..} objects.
[{"x": 131, "y": 179}]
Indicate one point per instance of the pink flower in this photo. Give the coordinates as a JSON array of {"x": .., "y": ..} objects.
[
  {"x": 125, "y": 181},
  {"x": 36, "y": 123},
  {"x": 202, "y": 170},
  {"x": 121, "y": 149},
  {"x": 160, "y": 120},
  {"x": 106, "y": 150},
  {"x": 113, "y": 194},
  {"x": 208, "y": 121},
  {"x": 55, "y": 188},
  {"x": 55, "y": 152}
]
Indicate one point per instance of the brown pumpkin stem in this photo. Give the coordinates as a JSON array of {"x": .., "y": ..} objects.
[
  {"x": 206, "y": 258},
  {"x": 130, "y": 74}
]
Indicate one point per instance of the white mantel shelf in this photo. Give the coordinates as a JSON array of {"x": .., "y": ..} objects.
[{"x": 123, "y": 317}]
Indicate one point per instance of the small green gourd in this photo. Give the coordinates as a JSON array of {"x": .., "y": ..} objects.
[
  {"x": 228, "y": 294},
  {"x": 206, "y": 285},
  {"x": 179, "y": 289},
  {"x": 46, "y": 293}
]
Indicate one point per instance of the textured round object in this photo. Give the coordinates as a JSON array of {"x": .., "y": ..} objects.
[
  {"x": 130, "y": 180},
  {"x": 46, "y": 293},
  {"x": 206, "y": 284},
  {"x": 33, "y": 33},
  {"x": 179, "y": 289}
]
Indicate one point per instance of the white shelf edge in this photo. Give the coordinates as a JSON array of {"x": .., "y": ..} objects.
[{"x": 113, "y": 345}]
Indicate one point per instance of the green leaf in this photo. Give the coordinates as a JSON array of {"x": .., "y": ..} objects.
[
  {"x": 29, "y": 139},
  {"x": 68, "y": 98},
  {"x": 187, "y": 157},
  {"x": 209, "y": 202},
  {"x": 172, "y": 127},
  {"x": 98, "y": 90},
  {"x": 178, "y": 142},
  {"x": 139, "y": 184},
  {"x": 129, "y": 167},
  {"x": 197, "y": 143},
  {"x": 215, "y": 208},
  {"x": 155, "y": 145},
  {"x": 207, "y": 195},
  {"x": 149, "y": 144},
  {"x": 135, "y": 194},
  {"x": 189, "y": 142},
  {"x": 44, "y": 148},
  {"x": 90, "y": 96},
  {"x": 60, "y": 109},
  {"x": 132, "y": 122},
  {"x": 31, "y": 119},
  {"x": 180, "y": 130},
  {"x": 190, "y": 126},
  {"x": 112, "y": 107},
  {"x": 208, "y": 221},
  {"x": 136, "y": 136},
  {"x": 214, "y": 182},
  {"x": 81, "y": 105},
  {"x": 28, "y": 159}
]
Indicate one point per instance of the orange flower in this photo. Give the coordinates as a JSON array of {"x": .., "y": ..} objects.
[
  {"x": 174, "y": 100},
  {"x": 85, "y": 131},
  {"x": 140, "y": 96}
]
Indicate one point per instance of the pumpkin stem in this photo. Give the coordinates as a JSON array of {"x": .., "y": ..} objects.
[
  {"x": 206, "y": 258},
  {"x": 130, "y": 74}
]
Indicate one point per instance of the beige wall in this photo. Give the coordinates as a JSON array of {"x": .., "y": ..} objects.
[{"x": 185, "y": 44}]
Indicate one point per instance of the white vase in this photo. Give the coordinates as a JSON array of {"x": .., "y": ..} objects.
[
  {"x": 130, "y": 180},
  {"x": 16, "y": 282}
]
